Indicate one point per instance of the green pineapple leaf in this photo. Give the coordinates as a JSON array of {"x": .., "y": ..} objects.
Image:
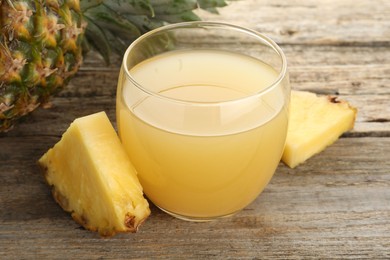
[
  {"x": 85, "y": 5},
  {"x": 98, "y": 39},
  {"x": 117, "y": 44},
  {"x": 169, "y": 7},
  {"x": 211, "y": 5},
  {"x": 117, "y": 23},
  {"x": 144, "y": 22},
  {"x": 109, "y": 21},
  {"x": 134, "y": 7},
  {"x": 186, "y": 16}
]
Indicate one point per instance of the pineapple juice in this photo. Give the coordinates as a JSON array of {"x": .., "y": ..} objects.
[{"x": 215, "y": 145}]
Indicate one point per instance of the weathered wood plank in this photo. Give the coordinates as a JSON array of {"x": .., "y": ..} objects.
[
  {"x": 335, "y": 205},
  {"x": 324, "y": 78},
  {"x": 301, "y": 55},
  {"x": 358, "y": 74},
  {"x": 342, "y": 79},
  {"x": 325, "y": 69},
  {"x": 373, "y": 115},
  {"x": 333, "y": 22}
]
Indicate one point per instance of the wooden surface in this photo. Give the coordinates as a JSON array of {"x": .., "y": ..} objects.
[{"x": 337, "y": 205}]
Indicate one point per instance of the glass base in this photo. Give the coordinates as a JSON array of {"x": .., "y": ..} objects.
[{"x": 196, "y": 219}]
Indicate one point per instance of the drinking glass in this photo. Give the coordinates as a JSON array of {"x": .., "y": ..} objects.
[{"x": 202, "y": 111}]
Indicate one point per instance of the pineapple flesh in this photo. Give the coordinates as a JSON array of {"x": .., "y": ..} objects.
[
  {"x": 92, "y": 177},
  {"x": 315, "y": 123}
]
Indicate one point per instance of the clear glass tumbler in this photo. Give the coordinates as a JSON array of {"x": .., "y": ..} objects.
[{"x": 202, "y": 111}]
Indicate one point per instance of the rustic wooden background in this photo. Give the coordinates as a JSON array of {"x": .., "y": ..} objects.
[{"x": 337, "y": 205}]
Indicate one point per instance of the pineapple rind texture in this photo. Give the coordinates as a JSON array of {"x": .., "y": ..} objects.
[
  {"x": 315, "y": 123},
  {"x": 92, "y": 177},
  {"x": 42, "y": 42},
  {"x": 40, "y": 50}
]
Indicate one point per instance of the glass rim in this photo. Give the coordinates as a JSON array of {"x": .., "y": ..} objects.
[{"x": 203, "y": 24}]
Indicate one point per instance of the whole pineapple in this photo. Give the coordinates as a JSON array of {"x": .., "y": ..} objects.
[{"x": 42, "y": 42}]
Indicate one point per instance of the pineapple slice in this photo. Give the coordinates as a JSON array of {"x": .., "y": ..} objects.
[
  {"x": 315, "y": 123},
  {"x": 92, "y": 177}
]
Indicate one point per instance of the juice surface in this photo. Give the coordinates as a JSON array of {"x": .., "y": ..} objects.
[{"x": 206, "y": 158}]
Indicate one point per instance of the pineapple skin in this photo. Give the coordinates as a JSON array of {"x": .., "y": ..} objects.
[
  {"x": 40, "y": 50},
  {"x": 315, "y": 123},
  {"x": 93, "y": 179},
  {"x": 42, "y": 42}
]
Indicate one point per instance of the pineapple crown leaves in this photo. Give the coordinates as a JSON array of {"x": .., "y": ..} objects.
[
  {"x": 211, "y": 6},
  {"x": 113, "y": 25}
]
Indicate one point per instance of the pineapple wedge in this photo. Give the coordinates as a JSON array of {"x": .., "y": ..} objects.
[
  {"x": 315, "y": 123},
  {"x": 92, "y": 177}
]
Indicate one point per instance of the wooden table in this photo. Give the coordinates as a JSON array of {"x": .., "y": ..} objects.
[{"x": 337, "y": 205}]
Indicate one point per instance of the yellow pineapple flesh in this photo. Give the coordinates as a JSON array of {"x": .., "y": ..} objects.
[
  {"x": 91, "y": 177},
  {"x": 315, "y": 123}
]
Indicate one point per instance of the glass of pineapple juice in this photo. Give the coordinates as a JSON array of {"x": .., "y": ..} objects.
[{"x": 202, "y": 111}]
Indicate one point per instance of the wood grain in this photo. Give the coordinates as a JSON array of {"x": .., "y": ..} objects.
[
  {"x": 335, "y": 206},
  {"x": 338, "y": 199},
  {"x": 331, "y": 22},
  {"x": 343, "y": 73}
]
